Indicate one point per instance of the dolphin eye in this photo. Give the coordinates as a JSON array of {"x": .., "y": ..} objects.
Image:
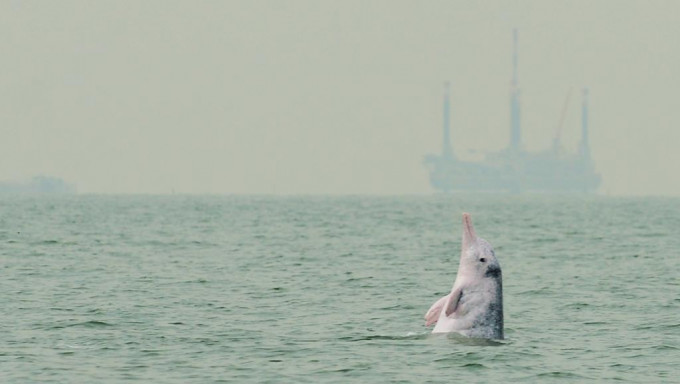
[{"x": 483, "y": 260}]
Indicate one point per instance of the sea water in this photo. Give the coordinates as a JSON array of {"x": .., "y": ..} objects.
[{"x": 179, "y": 289}]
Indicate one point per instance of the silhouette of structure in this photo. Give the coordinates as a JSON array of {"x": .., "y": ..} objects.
[
  {"x": 38, "y": 184},
  {"x": 514, "y": 169}
]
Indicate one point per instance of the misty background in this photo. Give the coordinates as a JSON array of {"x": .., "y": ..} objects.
[{"x": 328, "y": 97}]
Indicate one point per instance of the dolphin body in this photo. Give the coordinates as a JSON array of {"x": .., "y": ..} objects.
[{"x": 474, "y": 308}]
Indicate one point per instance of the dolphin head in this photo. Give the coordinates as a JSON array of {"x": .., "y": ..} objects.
[{"x": 477, "y": 258}]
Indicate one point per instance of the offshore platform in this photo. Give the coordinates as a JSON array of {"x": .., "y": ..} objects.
[{"x": 513, "y": 169}]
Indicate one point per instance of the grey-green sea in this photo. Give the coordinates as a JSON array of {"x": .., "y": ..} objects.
[{"x": 312, "y": 289}]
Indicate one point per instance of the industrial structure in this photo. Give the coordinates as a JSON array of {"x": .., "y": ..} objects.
[{"x": 514, "y": 169}]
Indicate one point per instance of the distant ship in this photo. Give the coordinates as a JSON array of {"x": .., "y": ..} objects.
[
  {"x": 514, "y": 169},
  {"x": 38, "y": 184}
]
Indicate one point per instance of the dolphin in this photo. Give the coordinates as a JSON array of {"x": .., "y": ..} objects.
[{"x": 474, "y": 308}]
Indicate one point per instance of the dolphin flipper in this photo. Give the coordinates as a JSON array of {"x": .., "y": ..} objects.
[
  {"x": 432, "y": 314},
  {"x": 452, "y": 304}
]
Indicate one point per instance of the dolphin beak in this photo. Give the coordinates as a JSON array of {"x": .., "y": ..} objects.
[{"x": 469, "y": 235}]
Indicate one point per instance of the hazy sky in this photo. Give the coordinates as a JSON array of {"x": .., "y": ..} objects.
[{"x": 327, "y": 96}]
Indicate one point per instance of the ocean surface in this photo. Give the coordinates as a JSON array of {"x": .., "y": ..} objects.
[{"x": 209, "y": 289}]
